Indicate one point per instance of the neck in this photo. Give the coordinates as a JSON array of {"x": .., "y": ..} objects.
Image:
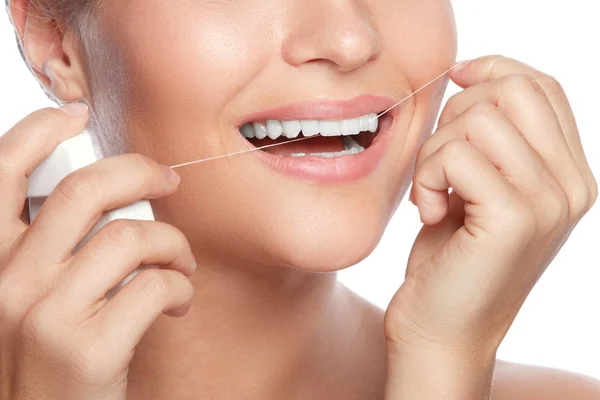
[{"x": 263, "y": 333}]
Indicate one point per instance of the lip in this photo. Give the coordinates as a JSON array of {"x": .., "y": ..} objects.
[{"x": 338, "y": 169}]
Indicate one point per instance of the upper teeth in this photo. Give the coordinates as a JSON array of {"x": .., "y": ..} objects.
[{"x": 291, "y": 129}]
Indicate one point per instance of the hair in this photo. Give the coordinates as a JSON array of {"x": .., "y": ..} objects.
[{"x": 62, "y": 11}]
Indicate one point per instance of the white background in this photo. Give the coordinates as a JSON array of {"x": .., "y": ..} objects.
[{"x": 559, "y": 325}]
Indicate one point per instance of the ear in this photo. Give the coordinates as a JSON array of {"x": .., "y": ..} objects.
[{"x": 53, "y": 54}]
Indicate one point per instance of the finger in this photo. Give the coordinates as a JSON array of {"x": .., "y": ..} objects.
[
  {"x": 115, "y": 252},
  {"x": 79, "y": 200},
  {"x": 127, "y": 316},
  {"x": 436, "y": 236},
  {"x": 25, "y": 146},
  {"x": 458, "y": 165},
  {"x": 526, "y": 105},
  {"x": 519, "y": 98},
  {"x": 489, "y": 68},
  {"x": 485, "y": 127}
]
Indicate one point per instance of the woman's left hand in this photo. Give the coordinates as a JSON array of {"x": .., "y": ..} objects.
[{"x": 509, "y": 148}]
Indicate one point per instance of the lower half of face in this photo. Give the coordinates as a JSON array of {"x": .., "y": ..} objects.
[{"x": 207, "y": 78}]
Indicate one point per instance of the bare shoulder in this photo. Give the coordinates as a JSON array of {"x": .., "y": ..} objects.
[{"x": 522, "y": 382}]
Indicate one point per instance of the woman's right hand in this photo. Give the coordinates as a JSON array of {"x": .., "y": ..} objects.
[{"x": 60, "y": 338}]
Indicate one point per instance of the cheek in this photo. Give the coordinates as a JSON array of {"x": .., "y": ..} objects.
[
  {"x": 421, "y": 38},
  {"x": 182, "y": 75}
]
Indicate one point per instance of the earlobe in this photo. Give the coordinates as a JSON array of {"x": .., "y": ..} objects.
[
  {"x": 51, "y": 52},
  {"x": 61, "y": 82}
]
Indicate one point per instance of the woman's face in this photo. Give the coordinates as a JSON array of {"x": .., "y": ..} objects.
[{"x": 192, "y": 73}]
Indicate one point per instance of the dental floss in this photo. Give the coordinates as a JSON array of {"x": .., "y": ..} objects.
[
  {"x": 236, "y": 153},
  {"x": 306, "y": 138},
  {"x": 416, "y": 91}
]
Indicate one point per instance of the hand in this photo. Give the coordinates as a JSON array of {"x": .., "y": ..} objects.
[
  {"x": 60, "y": 338},
  {"x": 509, "y": 148}
]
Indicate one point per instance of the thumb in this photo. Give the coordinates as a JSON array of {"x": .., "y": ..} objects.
[{"x": 473, "y": 72}]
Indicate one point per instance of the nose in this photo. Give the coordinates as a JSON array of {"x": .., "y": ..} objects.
[{"x": 337, "y": 32}]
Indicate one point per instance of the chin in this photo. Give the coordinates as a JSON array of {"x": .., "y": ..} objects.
[{"x": 332, "y": 245}]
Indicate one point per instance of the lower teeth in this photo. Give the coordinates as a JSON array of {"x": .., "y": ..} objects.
[{"x": 354, "y": 150}]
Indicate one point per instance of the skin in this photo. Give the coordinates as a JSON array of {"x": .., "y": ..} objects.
[{"x": 257, "y": 328}]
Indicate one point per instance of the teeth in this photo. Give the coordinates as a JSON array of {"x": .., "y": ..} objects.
[
  {"x": 330, "y": 128},
  {"x": 274, "y": 129},
  {"x": 373, "y": 122},
  {"x": 291, "y": 129},
  {"x": 364, "y": 123},
  {"x": 260, "y": 130},
  {"x": 247, "y": 131},
  {"x": 351, "y": 126},
  {"x": 310, "y": 128},
  {"x": 350, "y": 143},
  {"x": 354, "y": 150}
]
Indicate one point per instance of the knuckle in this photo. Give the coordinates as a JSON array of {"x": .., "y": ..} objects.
[
  {"x": 593, "y": 194},
  {"x": 125, "y": 232},
  {"x": 154, "y": 284},
  {"x": 522, "y": 222},
  {"x": 454, "y": 148},
  {"x": 579, "y": 200},
  {"x": 520, "y": 84},
  {"x": 555, "y": 214},
  {"x": 480, "y": 114},
  {"x": 77, "y": 187},
  {"x": 176, "y": 234},
  {"x": 39, "y": 326},
  {"x": 44, "y": 117},
  {"x": 187, "y": 287},
  {"x": 482, "y": 108},
  {"x": 143, "y": 165},
  {"x": 552, "y": 86}
]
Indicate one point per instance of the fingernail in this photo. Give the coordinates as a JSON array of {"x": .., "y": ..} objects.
[
  {"x": 461, "y": 65},
  {"x": 171, "y": 175},
  {"x": 76, "y": 109}
]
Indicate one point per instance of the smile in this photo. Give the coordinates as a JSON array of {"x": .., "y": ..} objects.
[
  {"x": 347, "y": 130},
  {"x": 345, "y": 139}
]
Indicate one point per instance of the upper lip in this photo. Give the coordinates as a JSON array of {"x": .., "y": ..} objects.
[{"x": 323, "y": 109}]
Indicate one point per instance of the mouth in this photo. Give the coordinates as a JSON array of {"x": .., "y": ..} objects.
[
  {"x": 324, "y": 138},
  {"x": 337, "y": 145}
]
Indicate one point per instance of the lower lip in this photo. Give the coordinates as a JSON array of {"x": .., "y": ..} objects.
[{"x": 337, "y": 169}]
